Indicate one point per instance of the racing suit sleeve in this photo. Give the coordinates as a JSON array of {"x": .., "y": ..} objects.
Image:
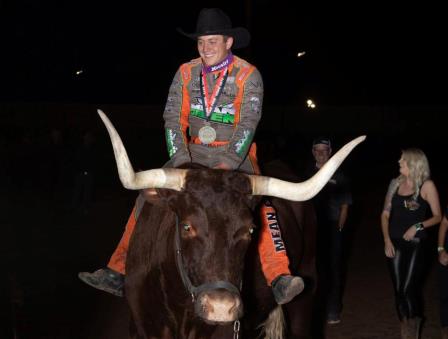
[
  {"x": 176, "y": 123},
  {"x": 250, "y": 114}
]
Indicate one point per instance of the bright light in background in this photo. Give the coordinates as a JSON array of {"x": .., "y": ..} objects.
[
  {"x": 301, "y": 54},
  {"x": 310, "y": 103},
  {"x": 79, "y": 72}
]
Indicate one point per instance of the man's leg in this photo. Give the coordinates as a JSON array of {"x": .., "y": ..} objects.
[
  {"x": 117, "y": 261},
  {"x": 274, "y": 259},
  {"x": 111, "y": 279},
  {"x": 334, "y": 306}
]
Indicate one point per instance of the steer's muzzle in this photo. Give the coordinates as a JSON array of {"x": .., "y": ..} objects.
[{"x": 219, "y": 306}]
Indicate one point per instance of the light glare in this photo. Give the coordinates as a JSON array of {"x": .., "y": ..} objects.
[{"x": 310, "y": 103}]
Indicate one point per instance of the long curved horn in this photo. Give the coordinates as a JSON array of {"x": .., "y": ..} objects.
[
  {"x": 303, "y": 190},
  {"x": 172, "y": 178}
]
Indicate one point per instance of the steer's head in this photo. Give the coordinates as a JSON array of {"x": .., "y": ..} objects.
[{"x": 214, "y": 221}]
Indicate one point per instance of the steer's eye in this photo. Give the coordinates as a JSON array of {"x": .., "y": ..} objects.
[
  {"x": 252, "y": 229},
  {"x": 188, "y": 231}
]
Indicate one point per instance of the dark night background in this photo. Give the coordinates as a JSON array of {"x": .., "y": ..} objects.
[
  {"x": 375, "y": 68},
  {"x": 369, "y": 54}
]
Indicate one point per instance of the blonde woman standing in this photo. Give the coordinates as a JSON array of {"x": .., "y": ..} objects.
[{"x": 411, "y": 206}]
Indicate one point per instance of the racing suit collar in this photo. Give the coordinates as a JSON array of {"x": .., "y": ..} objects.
[{"x": 219, "y": 66}]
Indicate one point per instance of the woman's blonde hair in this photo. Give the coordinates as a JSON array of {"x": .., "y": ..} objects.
[{"x": 418, "y": 168}]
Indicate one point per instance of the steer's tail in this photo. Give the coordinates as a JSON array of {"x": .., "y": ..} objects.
[{"x": 274, "y": 326}]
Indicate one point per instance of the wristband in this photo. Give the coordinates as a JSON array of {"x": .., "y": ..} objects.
[
  {"x": 440, "y": 249},
  {"x": 419, "y": 226}
]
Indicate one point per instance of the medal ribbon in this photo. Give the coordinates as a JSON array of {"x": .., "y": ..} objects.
[
  {"x": 209, "y": 102},
  {"x": 226, "y": 62}
]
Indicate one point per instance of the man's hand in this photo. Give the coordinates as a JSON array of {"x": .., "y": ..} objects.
[
  {"x": 223, "y": 166},
  {"x": 150, "y": 194}
]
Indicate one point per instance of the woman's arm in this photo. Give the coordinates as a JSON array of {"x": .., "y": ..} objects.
[
  {"x": 430, "y": 194},
  {"x": 389, "y": 249}
]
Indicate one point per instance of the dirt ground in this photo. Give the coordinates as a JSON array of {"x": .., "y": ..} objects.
[{"x": 47, "y": 244}]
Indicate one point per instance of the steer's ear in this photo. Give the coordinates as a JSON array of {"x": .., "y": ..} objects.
[{"x": 254, "y": 201}]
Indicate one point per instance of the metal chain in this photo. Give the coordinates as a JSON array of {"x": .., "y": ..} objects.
[{"x": 236, "y": 329}]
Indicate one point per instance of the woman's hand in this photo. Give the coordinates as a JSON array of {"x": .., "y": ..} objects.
[
  {"x": 443, "y": 258},
  {"x": 389, "y": 249},
  {"x": 410, "y": 233}
]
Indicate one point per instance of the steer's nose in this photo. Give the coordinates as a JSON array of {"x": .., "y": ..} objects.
[{"x": 219, "y": 306}]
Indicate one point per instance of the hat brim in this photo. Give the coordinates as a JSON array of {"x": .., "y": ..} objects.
[{"x": 240, "y": 35}]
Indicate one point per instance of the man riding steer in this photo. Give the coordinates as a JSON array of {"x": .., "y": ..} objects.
[{"x": 213, "y": 108}]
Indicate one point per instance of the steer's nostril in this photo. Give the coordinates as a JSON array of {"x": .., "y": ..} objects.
[
  {"x": 236, "y": 305},
  {"x": 207, "y": 306}
]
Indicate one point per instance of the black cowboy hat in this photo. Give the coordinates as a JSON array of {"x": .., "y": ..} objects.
[{"x": 213, "y": 21}]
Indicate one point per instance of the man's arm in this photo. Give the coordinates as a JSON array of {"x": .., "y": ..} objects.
[
  {"x": 443, "y": 254},
  {"x": 343, "y": 216},
  {"x": 176, "y": 123},
  {"x": 250, "y": 115}
]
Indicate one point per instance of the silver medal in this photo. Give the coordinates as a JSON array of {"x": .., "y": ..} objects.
[{"x": 207, "y": 134}]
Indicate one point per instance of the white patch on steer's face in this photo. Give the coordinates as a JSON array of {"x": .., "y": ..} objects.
[{"x": 219, "y": 309}]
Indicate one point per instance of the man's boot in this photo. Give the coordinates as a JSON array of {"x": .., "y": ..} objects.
[
  {"x": 418, "y": 327},
  {"x": 105, "y": 279},
  {"x": 414, "y": 327},
  {"x": 404, "y": 329},
  {"x": 286, "y": 287}
]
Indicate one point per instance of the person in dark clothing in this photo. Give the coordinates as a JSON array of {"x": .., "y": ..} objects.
[
  {"x": 404, "y": 219},
  {"x": 331, "y": 206},
  {"x": 443, "y": 273}
]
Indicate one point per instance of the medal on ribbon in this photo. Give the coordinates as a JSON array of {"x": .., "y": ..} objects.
[{"x": 207, "y": 134}]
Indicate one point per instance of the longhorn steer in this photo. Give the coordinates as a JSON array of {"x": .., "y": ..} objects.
[{"x": 187, "y": 254}]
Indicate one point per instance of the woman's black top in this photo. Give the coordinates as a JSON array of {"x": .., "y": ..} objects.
[{"x": 406, "y": 212}]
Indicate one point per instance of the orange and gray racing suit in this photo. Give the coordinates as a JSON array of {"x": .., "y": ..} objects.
[{"x": 234, "y": 118}]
